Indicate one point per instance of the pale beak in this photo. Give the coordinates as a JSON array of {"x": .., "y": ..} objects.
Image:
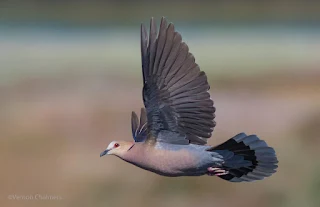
[{"x": 104, "y": 153}]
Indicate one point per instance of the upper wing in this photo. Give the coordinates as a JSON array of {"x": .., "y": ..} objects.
[
  {"x": 139, "y": 128},
  {"x": 175, "y": 91}
]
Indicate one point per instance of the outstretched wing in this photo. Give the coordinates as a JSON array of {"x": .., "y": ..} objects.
[
  {"x": 139, "y": 128},
  {"x": 175, "y": 91}
]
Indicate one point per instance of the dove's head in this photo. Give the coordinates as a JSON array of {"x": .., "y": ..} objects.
[{"x": 118, "y": 148}]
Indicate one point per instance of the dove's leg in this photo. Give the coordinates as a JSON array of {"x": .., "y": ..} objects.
[{"x": 216, "y": 171}]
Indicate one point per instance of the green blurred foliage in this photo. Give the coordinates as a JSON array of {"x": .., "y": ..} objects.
[{"x": 129, "y": 12}]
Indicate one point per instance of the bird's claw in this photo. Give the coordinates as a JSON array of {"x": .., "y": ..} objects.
[{"x": 216, "y": 171}]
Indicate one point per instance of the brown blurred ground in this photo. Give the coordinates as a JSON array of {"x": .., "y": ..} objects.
[{"x": 54, "y": 129}]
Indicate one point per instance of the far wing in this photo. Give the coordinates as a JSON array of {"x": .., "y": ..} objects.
[
  {"x": 139, "y": 128},
  {"x": 175, "y": 91}
]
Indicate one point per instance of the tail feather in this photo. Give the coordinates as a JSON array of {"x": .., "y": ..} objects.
[{"x": 252, "y": 159}]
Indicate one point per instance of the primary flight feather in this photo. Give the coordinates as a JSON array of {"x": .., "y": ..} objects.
[{"x": 171, "y": 135}]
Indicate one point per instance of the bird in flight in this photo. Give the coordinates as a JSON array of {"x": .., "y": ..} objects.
[{"x": 170, "y": 138}]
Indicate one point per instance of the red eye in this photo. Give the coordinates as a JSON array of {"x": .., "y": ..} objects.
[{"x": 116, "y": 145}]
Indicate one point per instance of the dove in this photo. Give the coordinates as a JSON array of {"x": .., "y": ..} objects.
[{"x": 170, "y": 137}]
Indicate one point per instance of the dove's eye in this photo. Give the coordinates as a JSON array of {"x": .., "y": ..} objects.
[{"x": 116, "y": 145}]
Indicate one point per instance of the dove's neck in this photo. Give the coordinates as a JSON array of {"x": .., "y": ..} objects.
[{"x": 138, "y": 155}]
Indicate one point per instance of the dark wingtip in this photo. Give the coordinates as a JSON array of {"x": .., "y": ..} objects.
[
  {"x": 134, "y": 123},
  {"x": 143, "y": 111},
  {"x": 151, "y": 21},
  {"x": 171, "y": 26},
  {"x": 163, "y": 23},
  {"x": 144, "y": 38},
  {"x": 142, "y": 27}
]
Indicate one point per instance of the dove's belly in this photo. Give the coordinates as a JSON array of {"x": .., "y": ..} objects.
[{"x": 178, "y": 162}]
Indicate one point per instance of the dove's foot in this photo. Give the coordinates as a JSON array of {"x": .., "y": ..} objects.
[{"x": 216, "y": 171}]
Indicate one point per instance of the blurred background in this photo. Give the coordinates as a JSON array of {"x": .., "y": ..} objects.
[{"x": 70, "y": 75}]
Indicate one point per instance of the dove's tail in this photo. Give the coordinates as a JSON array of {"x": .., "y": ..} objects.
[{"x": 246, "y": 158}]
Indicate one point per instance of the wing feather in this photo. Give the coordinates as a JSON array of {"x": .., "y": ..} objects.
[{"x": 175, "y": 90}]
